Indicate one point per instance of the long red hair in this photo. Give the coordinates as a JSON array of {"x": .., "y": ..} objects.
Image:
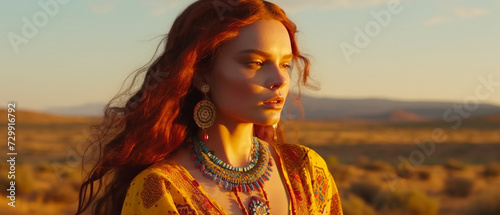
[{"x": 157, "y": 119}]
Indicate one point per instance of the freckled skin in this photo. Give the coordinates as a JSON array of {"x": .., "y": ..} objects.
[{"x": 238, "y": 86}]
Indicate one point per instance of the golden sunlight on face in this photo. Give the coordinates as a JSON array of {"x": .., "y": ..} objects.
[{"x": 250, "y": 78}]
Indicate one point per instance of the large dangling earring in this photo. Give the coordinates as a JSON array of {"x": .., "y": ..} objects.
[
  {"x": 275, "y": 137},
  {"x": 204, "y": 113}
]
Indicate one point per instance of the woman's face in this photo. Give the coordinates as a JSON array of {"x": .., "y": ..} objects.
[{"x": 250, "y": 77}]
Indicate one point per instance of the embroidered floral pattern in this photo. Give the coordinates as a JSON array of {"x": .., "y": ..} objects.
[
  {"x": 336, "y": 208},
  {"x": 185, "y": 209},
  {"x": 191, "y": 190},
  {"x": 320, "y": 186},
  {"x": 296, "y": 178},
  {"x": 154, "y": 188},
  {"x": 291, "y": 153},
  {"x": 167, "y": 188}
]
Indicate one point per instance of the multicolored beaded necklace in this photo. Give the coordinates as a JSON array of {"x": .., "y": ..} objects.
[{"x": 238, "y": 179}]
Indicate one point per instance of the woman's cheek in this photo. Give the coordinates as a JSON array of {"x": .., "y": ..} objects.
[{"x": 239, "y": 83}]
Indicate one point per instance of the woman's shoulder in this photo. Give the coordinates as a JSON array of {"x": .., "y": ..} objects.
[
  {"x": 310, "y": 178},
  {"x": 304, "y": 157},
  {"x": 153, "y": 189},
  {"x": 159, "y": 171},
  {"x": 297, "y": 152},
  {"x": 157, "y": 178},
  {"x": 155, "y": 169}
]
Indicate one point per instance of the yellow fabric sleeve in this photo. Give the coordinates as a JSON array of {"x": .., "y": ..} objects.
[
  {"x": 327, "y": 200},
  {"x": 149, "y": 193}
]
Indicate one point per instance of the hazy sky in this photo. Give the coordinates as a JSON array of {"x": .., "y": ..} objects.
[{"x": 69, "y": 52}]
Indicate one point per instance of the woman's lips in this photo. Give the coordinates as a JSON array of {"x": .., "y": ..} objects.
[{"x": 276, "y": 102}]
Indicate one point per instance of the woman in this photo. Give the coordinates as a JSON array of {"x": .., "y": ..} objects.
[{"x": 199, "y": 137}]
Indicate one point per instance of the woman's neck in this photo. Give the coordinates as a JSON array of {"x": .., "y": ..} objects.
[{"x": 231, "y": 141}]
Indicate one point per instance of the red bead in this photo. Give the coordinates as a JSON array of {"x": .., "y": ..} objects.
[{"x": 204, "y": 137}]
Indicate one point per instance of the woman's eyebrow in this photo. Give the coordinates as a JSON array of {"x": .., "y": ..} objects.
[{"x": 262, "y": 53}]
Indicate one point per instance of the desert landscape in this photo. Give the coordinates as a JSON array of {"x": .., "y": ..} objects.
[{"x": 412, "y": 166}]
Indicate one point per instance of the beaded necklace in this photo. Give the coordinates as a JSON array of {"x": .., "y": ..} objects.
[{"x": 238, "y": 179}]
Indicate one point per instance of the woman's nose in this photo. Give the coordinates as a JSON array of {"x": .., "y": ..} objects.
[{"x": 278, "y": 78}]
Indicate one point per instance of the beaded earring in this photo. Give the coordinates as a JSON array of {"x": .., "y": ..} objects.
[{"x": 204, "y": 112}]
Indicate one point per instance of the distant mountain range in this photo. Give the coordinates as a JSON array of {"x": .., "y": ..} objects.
[
  {"x": 26, "y": 117},
  {"x": 91, "y": 109},
  {"x": 385, "y": 109},
  {"x": 343, "y": 109}
]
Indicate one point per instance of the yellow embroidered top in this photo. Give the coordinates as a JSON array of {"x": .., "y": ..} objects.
[{"x": 168, "y": 188}]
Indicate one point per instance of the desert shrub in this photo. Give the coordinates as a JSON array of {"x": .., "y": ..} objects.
[
  {"x": 43, "y": 167},
  {"x": 405, "y": 168},
  {"x": 491, "y": 170},
  {"x": 4, "y": 184},
  {"x": 377, "y": 165},
  {"x": 332, "y": 161},
  {"x": 410, "y": 202},
  {"x": 62, "y": 193},
  {"x": 25, "y": 182},
  {"x": 454, "y": 164},
  {"x": 365, "y": 189},
  {"x": 362, "y": 160},
  {"x": 353, "y": 205},
  {"x": 423, "y": 175},
  {"x": 36, "y": 195},
  {"x": 458, "y": 186},
  {"x": 341, "y": 173},
  {"x": 486, "y": 203}
]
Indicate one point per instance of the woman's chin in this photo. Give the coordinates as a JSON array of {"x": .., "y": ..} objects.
[{"x": 268, "y": 120}]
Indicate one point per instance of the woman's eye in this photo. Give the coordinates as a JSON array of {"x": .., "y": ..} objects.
[
  {"x": 254, "y": 63},
  {"x": 259, "y": 63}
]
